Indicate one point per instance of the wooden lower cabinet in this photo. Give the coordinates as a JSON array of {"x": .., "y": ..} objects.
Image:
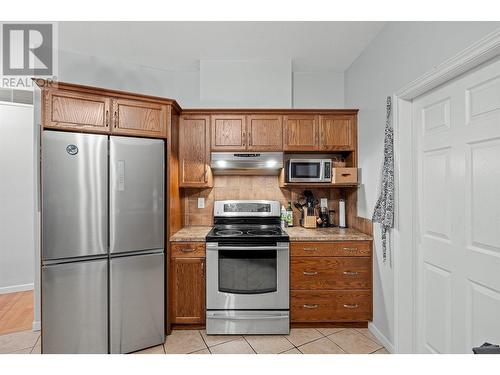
[
  {"x": 187, "y": 283},
  {"x": 330, "y": 273},
  {"x": 327, "y": 306},
  {"x": 331, "y": 282}
]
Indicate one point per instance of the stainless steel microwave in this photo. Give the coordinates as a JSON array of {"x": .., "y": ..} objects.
[{"x": 309, "y": 170}]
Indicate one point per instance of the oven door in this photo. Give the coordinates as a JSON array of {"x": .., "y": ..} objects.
[
  {"x": 247, "y": 277},
  {"x": 305, "y": 170}
]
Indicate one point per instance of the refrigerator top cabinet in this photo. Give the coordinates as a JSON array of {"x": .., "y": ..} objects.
[
  {"x": 136, "y": 194},
  {"x": 74, "y": 195}
]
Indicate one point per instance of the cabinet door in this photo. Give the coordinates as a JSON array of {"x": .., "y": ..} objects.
[
  {"x": 337, "y": 133},
  {"x": 265, "y": 133},
  {"x": 228, "y": 133},
  {"x": 134, "y": 117},
  {"x": 188, "y": 291},
  {"x": 194, "y": 151},
  {"x": 76, "y": 111},
  {"x": 300, "y": 133}
]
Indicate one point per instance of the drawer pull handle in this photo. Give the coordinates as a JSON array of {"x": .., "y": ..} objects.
[
  {"x": 310, "y": 273},
  {"x": 310, "y": 248},
  {"x": 350, "y": 273},
  {"x": 351, "y": 306},
  {"x": 187, "y": 250},
  {"x": 350, "y": 248},
  {"x": 311, "y": 306}
]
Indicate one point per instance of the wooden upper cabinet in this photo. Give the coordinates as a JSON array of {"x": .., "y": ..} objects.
[
  {"x": 300, "y": 133},
  {"x": 337, "y": 133},
  {"x": 134, "y": 117},
  {"x": 228, "y": 133},
  {"x": 194, "y": 151},
  {"x": 265, "y": 133},
  {"x": 76, "y": 111}
]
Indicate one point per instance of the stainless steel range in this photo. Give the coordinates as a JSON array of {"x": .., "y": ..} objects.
[{"x": 247, "y": 269}]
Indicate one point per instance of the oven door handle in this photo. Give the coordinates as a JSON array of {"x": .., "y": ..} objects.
[
  {"x": 247, "y": 317},
  {"x": 217, "y": 248}
]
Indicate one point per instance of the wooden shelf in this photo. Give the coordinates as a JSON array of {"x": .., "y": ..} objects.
[{"x": 325, "y": 185}]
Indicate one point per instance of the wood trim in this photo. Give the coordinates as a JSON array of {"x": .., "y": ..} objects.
[
  {"x": 276, "y": 111},
  {"x": 45, "y": 84},
  {"x": 476, "y": 54}
]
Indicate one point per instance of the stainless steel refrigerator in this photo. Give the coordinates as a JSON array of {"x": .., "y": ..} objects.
[{"x": 102, "y": 243}]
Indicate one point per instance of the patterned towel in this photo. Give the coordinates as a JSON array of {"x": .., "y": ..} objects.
[{"x": 384, "y": 209}]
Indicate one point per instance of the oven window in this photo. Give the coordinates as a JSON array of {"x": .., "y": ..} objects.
[
  {"x": 305, "y": 170},
  {"x": 247, "y": 271}
]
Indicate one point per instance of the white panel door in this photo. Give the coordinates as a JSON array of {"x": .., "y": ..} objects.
[{"x": 457, "y": 139}]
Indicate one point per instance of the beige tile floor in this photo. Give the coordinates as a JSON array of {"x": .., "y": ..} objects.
[{"x": 299, "y": 341}]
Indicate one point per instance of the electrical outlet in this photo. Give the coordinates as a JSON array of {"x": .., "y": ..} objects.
[{"x": 201, "y": 202}]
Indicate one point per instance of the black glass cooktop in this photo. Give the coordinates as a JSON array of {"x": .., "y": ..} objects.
[{"x": 250, "y": 233}]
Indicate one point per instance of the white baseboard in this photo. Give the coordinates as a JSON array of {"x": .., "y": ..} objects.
[
  {"x": 16, "y": 288},
  {"x": 380, "y": 337},
  {"x": 36, "y": 326}
]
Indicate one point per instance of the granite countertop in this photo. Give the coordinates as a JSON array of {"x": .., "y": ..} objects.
[
  {"x": 326, "y": 234},
  {"x": 191, "y": 233},
  {"x": 198, "y": 234}
]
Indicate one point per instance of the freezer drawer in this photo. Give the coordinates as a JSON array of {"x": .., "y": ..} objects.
[
  {"x": 75, "y": 195},
  {"x": 75, "y": 307},
  {"x": 136, "y": 194},
  {"x": 136, "y": 302}
]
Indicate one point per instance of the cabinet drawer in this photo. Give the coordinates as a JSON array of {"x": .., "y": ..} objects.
[
  {"x": 330, "y": 273},
  {"x": 328, "y": 249},
  {"x": 331, "y": 306},
  {"x": 187, "y": 250}
]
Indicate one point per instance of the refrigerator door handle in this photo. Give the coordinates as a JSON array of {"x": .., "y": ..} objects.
[
  {"x": 137, "y": 252},
  {"x": 55, "y": 262}
]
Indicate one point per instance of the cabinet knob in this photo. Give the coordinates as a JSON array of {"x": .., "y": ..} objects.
[
  {"x": 116, "y": 119},
  {"x": 107, "y": 117}
]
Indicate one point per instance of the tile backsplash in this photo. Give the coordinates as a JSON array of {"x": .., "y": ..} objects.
[{"x": 247, "y": 187}]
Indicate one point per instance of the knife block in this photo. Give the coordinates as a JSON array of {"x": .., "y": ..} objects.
[{"x": 309, "y": 221}]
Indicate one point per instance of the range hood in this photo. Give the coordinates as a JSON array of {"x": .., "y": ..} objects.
[{"x": 248, "y": 163}]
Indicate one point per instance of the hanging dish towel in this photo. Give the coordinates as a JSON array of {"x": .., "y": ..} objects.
[{"x": 384, "y": 209}]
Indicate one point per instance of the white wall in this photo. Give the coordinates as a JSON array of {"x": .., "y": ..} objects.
[
  {"x": 400, "y": 53},
  {"x": 17, "y": 206},
  {"x": 217, "y": 83},
  {"x": 318, "y": 90},
  {"x": 248, "y": 83}
]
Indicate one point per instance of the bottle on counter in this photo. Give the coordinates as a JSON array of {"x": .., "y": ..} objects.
[
  {"x": 283, "y": 217},
  {"x": 289, "y": 212}
]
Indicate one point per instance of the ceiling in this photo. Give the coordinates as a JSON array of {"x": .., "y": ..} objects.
[{"x": 311, "y": 46}]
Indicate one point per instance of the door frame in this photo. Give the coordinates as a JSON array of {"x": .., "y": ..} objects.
[{"x": 405, "y": 258}]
